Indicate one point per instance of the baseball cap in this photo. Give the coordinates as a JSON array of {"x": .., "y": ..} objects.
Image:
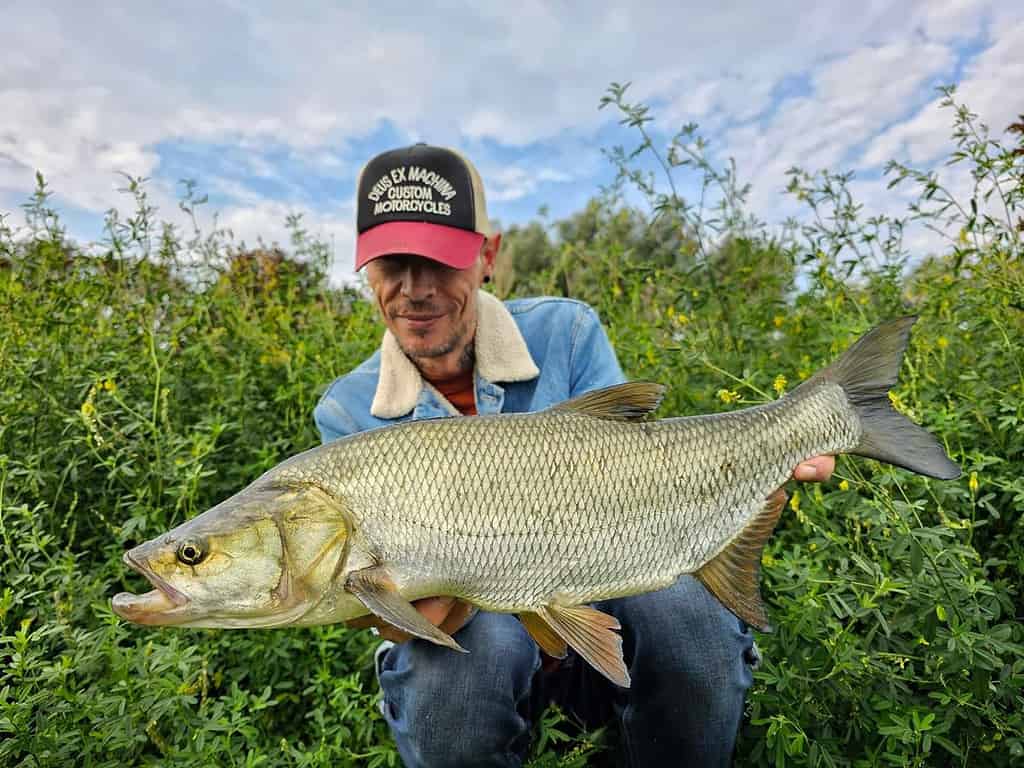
[{"x": 423, "y": 200}]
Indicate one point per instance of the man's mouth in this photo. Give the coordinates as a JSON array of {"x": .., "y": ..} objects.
[
  {"x": 152, "y": 607},
  {"x": 419, "y": 321}
]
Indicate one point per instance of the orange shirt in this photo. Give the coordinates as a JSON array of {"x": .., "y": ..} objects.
[{"x": 459, "y": 392}]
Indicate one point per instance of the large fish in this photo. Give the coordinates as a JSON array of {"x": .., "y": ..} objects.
[{"x": 536, "y": 514}]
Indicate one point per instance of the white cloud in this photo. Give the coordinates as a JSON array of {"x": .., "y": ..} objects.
[
  {"x": 953, "y": 19},
  {"x": 514, "y": 182},
  {"x": 995, "y": 73},
  {"x": 849, "y": 100},
  {"x": 90, "y": 90}
]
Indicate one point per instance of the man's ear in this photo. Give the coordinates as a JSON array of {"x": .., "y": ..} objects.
[{"x": 491, "y": 248}]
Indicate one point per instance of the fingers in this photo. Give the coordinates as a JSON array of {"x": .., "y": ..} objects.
[
  {"x": 816, "y": 470},
  {"x": 445, "y": 612},
  {"x": 435, "y": 609},
  {"x": 388, "y": 632},
  {"x": 457, "y": 617}
]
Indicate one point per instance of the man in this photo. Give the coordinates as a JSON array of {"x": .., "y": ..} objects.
[{"x": 426, "y": 244}]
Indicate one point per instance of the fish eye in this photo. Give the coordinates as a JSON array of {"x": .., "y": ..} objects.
[{"x": 191, "y": 553}]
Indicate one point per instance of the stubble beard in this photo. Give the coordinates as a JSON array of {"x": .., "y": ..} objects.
[{"x": 446, "y": 347}]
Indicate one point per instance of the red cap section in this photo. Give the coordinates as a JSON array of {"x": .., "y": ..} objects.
[{"x": 451, "y": 246}]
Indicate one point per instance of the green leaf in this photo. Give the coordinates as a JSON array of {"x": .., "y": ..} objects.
[{"x": 916, "y": 557}]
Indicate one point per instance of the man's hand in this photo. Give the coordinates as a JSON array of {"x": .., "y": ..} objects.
[
  {"x": 448, "y": 613},
  {"x": 816, "y": 470}
]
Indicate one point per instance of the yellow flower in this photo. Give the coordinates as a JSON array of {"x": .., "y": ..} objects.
[
  {"x": 778, "y": 320},
  {"x": 88, "y": 410},
  {"x": 973, "y": 483},
  {"x": 276, "y": 356},
  {"x": 728, "y": 396},
  {"x": 794, "y": 502},
  {"x": 110, "y": 385},
  {"x": 779, "y": 385},
  {"x": 942, "y": 342},
  {"x": 844, "y": 485},
  {"x": 804, "y": 371},
  {"x": 897, "y": 403},
  {"x": 678, "y": 317}
]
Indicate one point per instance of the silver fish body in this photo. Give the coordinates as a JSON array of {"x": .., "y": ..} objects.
[
  {"x": 537, "y": 514},
  {"x": 512, "y": 512}
]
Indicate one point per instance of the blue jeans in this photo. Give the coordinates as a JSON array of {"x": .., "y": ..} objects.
[{"x": 689, "y": 658}]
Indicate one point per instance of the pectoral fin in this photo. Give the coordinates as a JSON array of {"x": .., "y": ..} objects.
[
  {"x": 733, "y": 575},
  {"x": 375, "y": 589},
  {"x": 548, "y": 640},
  {"x": 591, "y": 634}
]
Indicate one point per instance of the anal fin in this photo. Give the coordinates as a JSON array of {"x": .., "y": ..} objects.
[
  {"x": 733, "y": 575},
  {"x": 375, "y": 589},
  {"x": 549, "y": 641},
  {"x": 592, "y": 635}
]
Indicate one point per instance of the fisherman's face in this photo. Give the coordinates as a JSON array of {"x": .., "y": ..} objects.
[{"x": 430, "y": 308}]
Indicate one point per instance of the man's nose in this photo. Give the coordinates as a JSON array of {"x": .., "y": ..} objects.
[{"x": 418, "y": 283}]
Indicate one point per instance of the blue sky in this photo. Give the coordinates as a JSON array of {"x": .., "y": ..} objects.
[{"x": 273, "y": 109}]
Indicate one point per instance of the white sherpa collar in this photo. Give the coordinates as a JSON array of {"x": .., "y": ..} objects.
[{"x": 501, "y": 355}]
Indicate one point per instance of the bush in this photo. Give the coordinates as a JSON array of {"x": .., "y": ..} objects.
[{"x": 142, "y": 384}]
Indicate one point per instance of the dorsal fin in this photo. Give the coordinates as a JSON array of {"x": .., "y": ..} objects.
[
  {"x": 733, "y": 574},
  {"x": 632, "y": 401}
]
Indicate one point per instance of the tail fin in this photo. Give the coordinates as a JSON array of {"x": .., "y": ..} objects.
[{"x": 866, "y": 372}]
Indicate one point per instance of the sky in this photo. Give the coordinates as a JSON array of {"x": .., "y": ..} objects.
[{"x": 273, "y": 108}]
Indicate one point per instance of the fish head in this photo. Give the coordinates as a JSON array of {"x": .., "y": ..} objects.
[{"x": 262, "y": 558}]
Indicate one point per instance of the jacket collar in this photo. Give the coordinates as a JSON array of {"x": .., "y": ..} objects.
[{"x": 501, "y": 355}]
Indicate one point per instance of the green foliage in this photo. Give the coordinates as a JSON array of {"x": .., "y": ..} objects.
[{"x": 143, "y": 383}]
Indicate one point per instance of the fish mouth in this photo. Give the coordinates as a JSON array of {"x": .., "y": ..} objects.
[{"x": 156, "y": 607}]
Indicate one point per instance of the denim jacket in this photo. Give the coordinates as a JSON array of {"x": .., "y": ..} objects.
[{"x": 530, "y": 354}]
